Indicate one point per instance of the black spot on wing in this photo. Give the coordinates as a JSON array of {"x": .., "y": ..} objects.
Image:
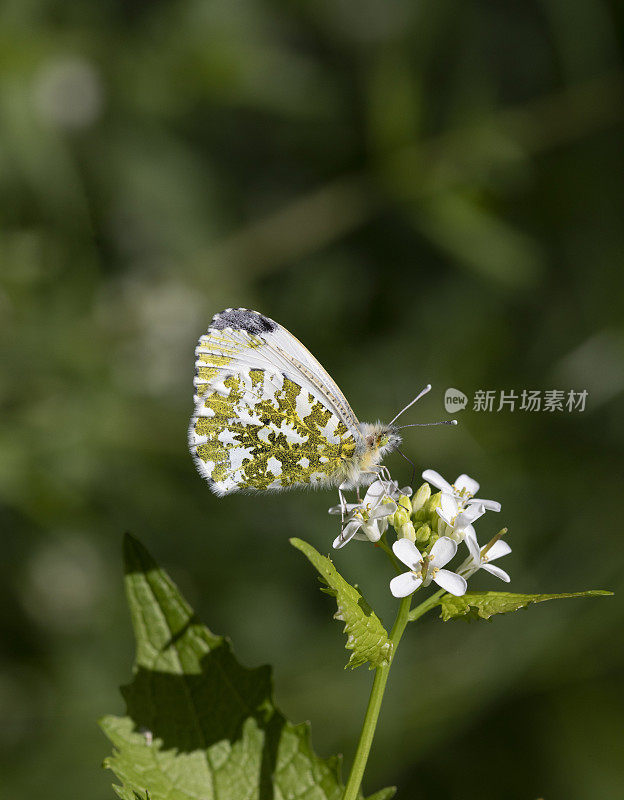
[{"x": 241, "y": 319}]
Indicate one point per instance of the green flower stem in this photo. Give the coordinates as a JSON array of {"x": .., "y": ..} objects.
[
  {"x": 426, "y": 605},
  {"x": 374, "y": 706},
  {"x": 404, "y": 616}
]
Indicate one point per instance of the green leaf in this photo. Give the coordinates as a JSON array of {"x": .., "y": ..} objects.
[
  {"x": 198, "y": 724},
  {"x": 366, "y": 636},
  {"x": 483, "y": 605}
]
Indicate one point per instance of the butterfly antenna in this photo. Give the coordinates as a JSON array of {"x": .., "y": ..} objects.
[
  {"x": 428, "y": 424},
  {"x": 409, "y": 460},
  {"x": 411, "y": 403}
]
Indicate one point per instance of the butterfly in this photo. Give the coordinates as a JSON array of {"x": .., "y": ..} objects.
[{"x": 268, "y": 417}]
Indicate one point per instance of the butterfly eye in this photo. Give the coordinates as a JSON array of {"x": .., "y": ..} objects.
[{"x": 383, "y": 441}]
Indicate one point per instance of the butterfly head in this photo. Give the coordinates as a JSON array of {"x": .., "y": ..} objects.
[{"x": 380, "y": 438}]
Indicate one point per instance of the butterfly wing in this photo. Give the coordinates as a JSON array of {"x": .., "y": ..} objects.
[{"x": 267, "y": 415}]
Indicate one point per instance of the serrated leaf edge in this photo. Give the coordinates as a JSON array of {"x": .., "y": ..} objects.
[{"x": 384, "y": 648}]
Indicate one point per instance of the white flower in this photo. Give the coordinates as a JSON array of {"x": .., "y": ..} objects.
[
  {"x": 365, "y": 525},
  {"x": 424, "y": 569},
  {"x": 463, "y": 490},
  {"x": 458, "y": 521},
  {"x": 368, "y": 520},
  {"x": 480, "y": 558}
]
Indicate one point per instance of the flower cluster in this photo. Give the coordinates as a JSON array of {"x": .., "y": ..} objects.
[{"x": 429, "y": 527}]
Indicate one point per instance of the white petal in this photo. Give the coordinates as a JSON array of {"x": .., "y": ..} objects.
[
  {"x": 375, "y": 492},
  {"x": 404, "y": 584},
  {"x": 469, "y": 515},
  {"x": 473, "y": 547},
  {"x": 384, "y": 510},
  {"x": 454, "y": 584},
  {"x": 348, "y": 508},
  {"x": 407, "y": 491},
  {"x": 448, "y": 505},
  {"x": 372, "y": 530},
  {"x": 392, "y": 488},
  {"x": 494, "y": 570},
  {"x": 407, "y": 552},
  {"x": 466, "y": 482},
  {"x": 447, "y": 520},
  {"x": 431, "y": 476},
  {"x": 489, "y": 505},
  {"x": 442, "y": 551},
  {"x": 498, "y": 549},
  {"x": 469, "y": 532},
  {"x": 348, "y": 532}
]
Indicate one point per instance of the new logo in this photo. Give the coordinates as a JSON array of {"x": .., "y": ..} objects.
[{"x": 454, "y": 400}]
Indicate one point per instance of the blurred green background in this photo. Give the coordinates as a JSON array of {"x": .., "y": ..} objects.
[{"x": 422, "y": 192}]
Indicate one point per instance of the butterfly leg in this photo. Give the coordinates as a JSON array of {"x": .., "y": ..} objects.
[
  {"x": 343, "y": 503},
  {"x": 384, "y": 472}
]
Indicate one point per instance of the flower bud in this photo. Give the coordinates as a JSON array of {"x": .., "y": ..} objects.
[
  {"x": 421, "y": 497},
  {"x": 432, "y": 503},
  {"x": 423, "y": 534},
  {"x": 406, "y": 531},
  {"x": 401, "y": 516},
  {"x": 427, "y": 548},
  {"x": 406, "y": 503}
]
